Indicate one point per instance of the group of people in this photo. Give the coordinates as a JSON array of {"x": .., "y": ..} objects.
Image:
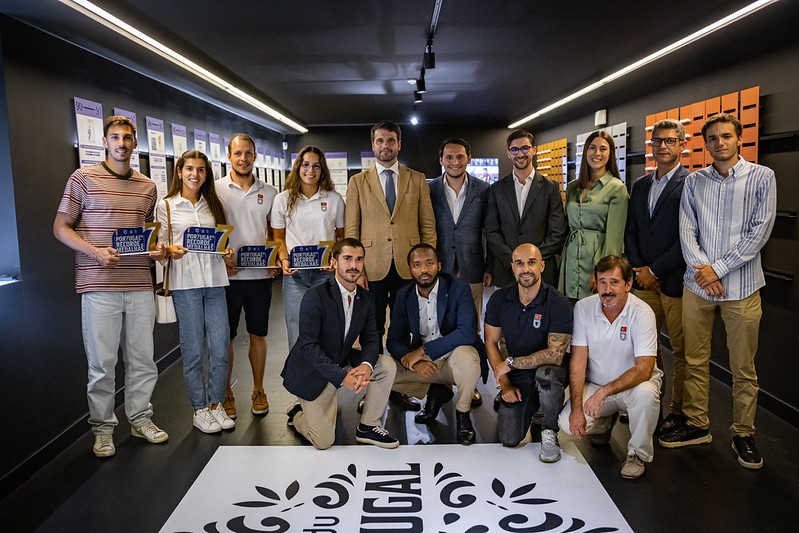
[{"x": 570, "y": 310}]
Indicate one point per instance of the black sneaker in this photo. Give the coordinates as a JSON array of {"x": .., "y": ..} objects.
[
  {"x": 685, "y": 435},
  {"x": 292, "y": 413},
  {"x": 669, "y": 423},
  {"x": 745, "y": 449},
  {"x": 377, "y": 435}
]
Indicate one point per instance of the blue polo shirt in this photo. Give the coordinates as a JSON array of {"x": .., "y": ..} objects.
[{"x": 526, "y": 328}]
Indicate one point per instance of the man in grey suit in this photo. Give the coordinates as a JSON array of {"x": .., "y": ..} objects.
[
  {"x": 459, "y": 203},
  {"x": 524, "y": 207}
]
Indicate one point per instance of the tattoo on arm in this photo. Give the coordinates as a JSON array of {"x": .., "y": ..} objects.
[{"x": 551, "y": 355}]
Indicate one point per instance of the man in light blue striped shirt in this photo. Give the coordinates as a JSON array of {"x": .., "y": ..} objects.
[{"x": 726, "y": 216}]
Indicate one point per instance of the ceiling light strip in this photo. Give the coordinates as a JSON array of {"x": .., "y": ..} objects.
[
  {"x": 685, "y": 41},
  {"x": 142, "y": 39}
]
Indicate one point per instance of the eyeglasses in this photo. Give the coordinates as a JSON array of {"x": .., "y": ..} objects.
[
  {"x": 523, "y": 149},
  {"x": 316, "y": 167},
  {"x": 670, "y": 141}
]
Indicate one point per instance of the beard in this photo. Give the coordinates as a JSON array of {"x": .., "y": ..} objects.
[
  {"x": 529, "y": 282},
  {"x": 427, "y": 284}
]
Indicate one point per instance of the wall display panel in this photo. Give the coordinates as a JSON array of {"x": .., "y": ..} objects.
[
  {"x": 180, "y": 140},
  {"x": 337, "y": 163},
  {"x": 201, "y": 141},
  {"x": 215, "y": 156},
  {"x": 134, "y": 157},
  {"x": 551, "y": 161},
  {"x": 157, "y": 148},
  {"x": 367, "y": 160},
  {"x": 89, "y": 121},
  {"x": 619, "y": 134}
]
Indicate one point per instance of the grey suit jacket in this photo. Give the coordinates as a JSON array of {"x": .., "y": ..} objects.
[
  {"x": 462, "y": 241},
  {"x": 542, "y": 223}
]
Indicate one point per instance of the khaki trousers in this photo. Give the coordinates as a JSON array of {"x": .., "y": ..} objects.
[
  {"x": 477, "y": 296},
  {"x": 460, "y": 367},
  {"x": 742, "y": 322},
  {"x": 668, "y": 311},
  {"x": 317, "y": 420}
]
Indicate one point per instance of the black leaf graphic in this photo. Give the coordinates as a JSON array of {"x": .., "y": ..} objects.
[
  {"x": 342, "y": 477},
  {"x": 576, "y": 524},
  {"x": 292, "y": 490},
  {"x": 276, "y": 525},
  {"x": 463, "y": 500},
  {"x": 522, "y": 490},
  {"x": 451, "y": 517},
  {"x": 477, "y": 529},
  {"x": 498, "y": 487},
  {"x": 327, "y": 502},
  {"x": 437, "y": 469},
  {"x": 602, "y": 530},
  {"x": 447, "y": 476},
  {"x": 210, "y": 527},
  {"x": 535, "y": 501},
  {"x": 352, "y": 470},
  {"x": 550, "y": 522},
  {"x": 255, "y": 504},
  {"x": 267, "y": 493}
]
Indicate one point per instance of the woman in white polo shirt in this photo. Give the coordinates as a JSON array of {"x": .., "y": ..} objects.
[
  {"x": 197, "y": 282},
  {"x": 307, "y": 212}
]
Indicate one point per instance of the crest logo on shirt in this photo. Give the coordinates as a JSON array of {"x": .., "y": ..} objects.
[
  {"x": 537, "y": 320},
  {"x": 324, "y": 206},
  {"x": 260, "y": 199},
  {"x": 623, "y": 333}
]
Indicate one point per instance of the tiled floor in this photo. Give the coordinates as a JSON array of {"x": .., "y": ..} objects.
[{"x": 699, "y": 488}]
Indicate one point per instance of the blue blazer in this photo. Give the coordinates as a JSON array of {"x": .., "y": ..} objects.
[
  {"x": 457, "y": 321},
  {"x": 463, "y": 240},
  {"x": 322, "y": 351},
  {"x": 655, "y": 240},
  {"x": 542, "y": 222}
]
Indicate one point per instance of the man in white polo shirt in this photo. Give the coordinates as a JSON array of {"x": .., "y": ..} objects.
[
  {"x": 248, "y": 203},
  {"x": 612, "y": 369}
]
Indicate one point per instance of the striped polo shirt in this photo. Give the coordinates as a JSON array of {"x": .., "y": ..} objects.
[
  {"x": 100, "y": 203},
  {"x": 724, "y": 222}
]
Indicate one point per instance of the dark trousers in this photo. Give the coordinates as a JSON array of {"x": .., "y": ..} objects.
[
  {"x": 542, "y": 387},
  {"x": 385, "y": 292}
]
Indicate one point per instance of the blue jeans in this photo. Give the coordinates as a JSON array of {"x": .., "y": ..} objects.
[
  {"x": 294, "y": 288},
  {"x": 202, "y": 319},
  {"x": 542, "y": 387},
  {"x": 112, "y": 319}
]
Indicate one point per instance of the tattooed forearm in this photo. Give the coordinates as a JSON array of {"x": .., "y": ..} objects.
[{"x": 551, "y": 355}]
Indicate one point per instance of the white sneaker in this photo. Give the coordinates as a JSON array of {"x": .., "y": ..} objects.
[
  {"x": 151, "y": 432},
  {"x": 104, "y": 445},
  {"x": 550, "y": 448},
  {"x": 222, "y": 417},
  {"x": 205, "y": 421}
]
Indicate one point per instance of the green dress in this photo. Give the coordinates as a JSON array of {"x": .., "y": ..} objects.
[{"x": 596, "y": 229}]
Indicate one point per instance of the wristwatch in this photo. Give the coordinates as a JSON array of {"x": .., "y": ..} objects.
[{"x": 509, "y": 362}]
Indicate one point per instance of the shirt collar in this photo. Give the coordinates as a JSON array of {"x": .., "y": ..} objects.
[
  {"x": 543, "y": 291},
  {"x": 179, "y": 199},
  {"x": 667, "y": 177},
  {"x": 734, "y": 171},
  {"x": 257, "y": 184},
  {"x": 433, "y": 291},
  {"x": 463, "y": 189},
  {"x": 394, "y": 167},
  {"x": 344, "y": 291},
  {"x": 526, "y": 179}
]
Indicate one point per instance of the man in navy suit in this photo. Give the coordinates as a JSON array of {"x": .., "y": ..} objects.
[
  {"x": 652, "y": 243},
  {"x": 332, "y": 316},
  {"x": 524, "y": 207},
  {"x": 459, "y": 203},
  {"x": 433, "y": 338}
]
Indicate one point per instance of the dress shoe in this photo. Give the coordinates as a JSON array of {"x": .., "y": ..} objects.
[
  {"x": 477, "y": 398},
  {"x": 437, "y": 396},
  {"x": 465, "y": 431},
  {"x": 405, "y": 402}
]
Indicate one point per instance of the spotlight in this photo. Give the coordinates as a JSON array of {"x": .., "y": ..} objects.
[
  {"x": 414, "y": 120},
  {"x": 417, "y": 97},
  {"x": 420, "y": 87},
  {"x": 429, "y": 60}
]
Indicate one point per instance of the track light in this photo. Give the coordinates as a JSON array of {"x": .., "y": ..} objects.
[
  {"x": 420, "y": 87},
  {"x": 417, "y": 97},
  {"x": 429, "y": 60}
]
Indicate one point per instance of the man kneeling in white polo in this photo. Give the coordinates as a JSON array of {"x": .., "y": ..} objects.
[{"x": 612, "y": 368}]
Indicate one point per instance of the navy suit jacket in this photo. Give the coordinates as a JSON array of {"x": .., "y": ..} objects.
[
  {"x": 654, "y": 241},
  {"x": 322, "y": 351},
  {"x": 463, "y": 240},
  {"x": 457, "y": 321},
  {"x": 542, "y": 223}
]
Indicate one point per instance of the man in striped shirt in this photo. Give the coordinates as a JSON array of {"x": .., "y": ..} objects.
[
  {"x": 726, "y": 216},
  {"x": 117, "y": 301}
]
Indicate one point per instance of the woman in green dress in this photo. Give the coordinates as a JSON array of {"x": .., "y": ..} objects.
[{"x": 596, "y": 210}]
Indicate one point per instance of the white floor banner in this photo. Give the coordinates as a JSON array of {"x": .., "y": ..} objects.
[{"x": 435, "y": 488}]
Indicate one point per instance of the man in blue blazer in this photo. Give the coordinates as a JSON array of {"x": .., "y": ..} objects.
[
  {"x": 332, "y": 316},
  {"x": 459, "y": 203},
  {"x": 433, "y": 338},
  {"x": 652, "y": 243},
  {"x": 524, "y": 207}
]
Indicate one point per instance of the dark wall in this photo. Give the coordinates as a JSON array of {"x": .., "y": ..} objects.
[{"x": 44, "y": 366}]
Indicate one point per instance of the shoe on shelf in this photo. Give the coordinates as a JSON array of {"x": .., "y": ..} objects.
[
  {"x": 685, "y": 435},
  {"x": 668, "y": 424},
  {"x": 229, "y": 403},
  {"x": 404, "y": 401},
  {"x": 633, "y": 467},
  {"x": 745, "y": 449},
  {"x": 477, "y": 398},
  {"x": 603, "y": 438},
  {"x": 296, "y": 408},
  {"x": 260, "y": 403},
  {"x": 377, "y": 435},
  {"x": 151, "y": 432},
  {"x": 550, "y": 447},
  {"x": 221, "y": 416},
  {"x": 437, "y": 396},
  {"x": 205, "y": 421},
  {"x": 104, "y": 445},
  {"x": 465, "y": 431}
]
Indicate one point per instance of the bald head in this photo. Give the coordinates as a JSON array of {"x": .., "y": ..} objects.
[{"x": 527, "y": 265}]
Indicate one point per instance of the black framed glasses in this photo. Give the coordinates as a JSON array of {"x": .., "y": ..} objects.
[
  {"x": 523, "y": 149},
  {"x": 670, "y": 141}
]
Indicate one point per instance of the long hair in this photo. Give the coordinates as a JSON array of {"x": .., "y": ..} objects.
[
  {"x": 294, "y": 183},
  {"x": 207, "y": 190},
  {"x": 585, "y": 171}
]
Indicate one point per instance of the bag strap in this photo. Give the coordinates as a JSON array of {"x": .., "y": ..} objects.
[{"x": 169, "y": 262}]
